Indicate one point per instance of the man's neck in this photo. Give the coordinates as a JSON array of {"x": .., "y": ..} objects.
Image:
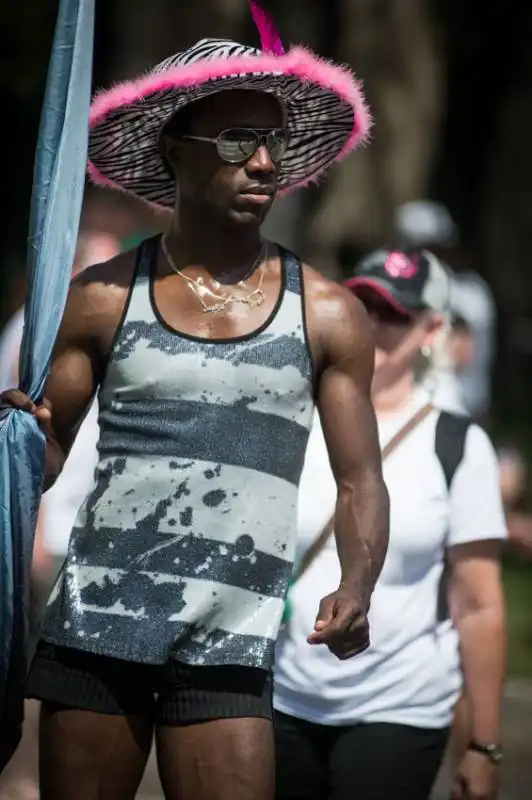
[
  {"x": 392, "y": 398},
  {"x": 222, "y": 249}
]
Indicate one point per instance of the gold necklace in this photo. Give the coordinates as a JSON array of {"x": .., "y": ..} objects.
[{"x": 197, "y": 285}]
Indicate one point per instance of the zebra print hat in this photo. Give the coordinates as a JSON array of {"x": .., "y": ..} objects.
[{"x": 326, "y": 114}]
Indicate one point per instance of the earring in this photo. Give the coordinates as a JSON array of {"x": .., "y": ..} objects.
[{"x": 426, "y": 350}]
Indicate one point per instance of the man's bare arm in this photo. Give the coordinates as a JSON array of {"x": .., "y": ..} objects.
[
  {"x": 74, "y": 375},
  {"x": 350, "y": 428},
  {"x": 342, "y": 347},
  {"x": 95, "y": 302},
  {"x": 76, "y": 366},
  {"x": 70, "y": 386}
]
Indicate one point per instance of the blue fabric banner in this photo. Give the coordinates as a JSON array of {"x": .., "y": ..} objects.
[{"x": 58, "y": 184}]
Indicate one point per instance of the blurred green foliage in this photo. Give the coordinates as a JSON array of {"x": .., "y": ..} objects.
[{"x": 518, "y": 586}]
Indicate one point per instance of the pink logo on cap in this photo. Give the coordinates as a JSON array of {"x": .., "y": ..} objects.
[{"x": 398, "y": 265}]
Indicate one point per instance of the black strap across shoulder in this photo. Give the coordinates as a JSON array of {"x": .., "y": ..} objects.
[{"x": 451, "y": 434}]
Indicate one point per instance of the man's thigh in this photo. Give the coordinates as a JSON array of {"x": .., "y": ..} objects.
[
  {"x": 91, "y": 756},
  {"x": 224, "y": 759},
  {"x": 214, "y": 733},
  {"x": 96, "y": 724}
]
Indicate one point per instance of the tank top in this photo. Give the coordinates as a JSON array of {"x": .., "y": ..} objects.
[{"x": 185, "y": 546}]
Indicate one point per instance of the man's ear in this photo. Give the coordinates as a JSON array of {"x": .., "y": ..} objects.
[
  {"x": 170, "y": 148},
  {"x": 170, "y": 151}
]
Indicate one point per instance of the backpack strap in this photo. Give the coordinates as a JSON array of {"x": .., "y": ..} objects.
[
  {"x": 451, "y": 434},
  {"x": 449, "y": 444},
  {"x": 317, "y": 546}
]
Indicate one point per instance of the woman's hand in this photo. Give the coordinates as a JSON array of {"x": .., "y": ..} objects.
[{"x": 477, "y": 778}]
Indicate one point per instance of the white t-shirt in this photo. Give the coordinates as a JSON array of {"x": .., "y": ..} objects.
[
  {"x": 411, "y": 673},
  {"x": 60, "y": 504},
  {"x": 447, "y": 392}
]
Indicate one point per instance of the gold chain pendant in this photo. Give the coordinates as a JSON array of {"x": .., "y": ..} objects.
[
  {"x": 198, "y": 287},
  {"x": 256, "y": 299},
  {"x": 214, "y": 309}
]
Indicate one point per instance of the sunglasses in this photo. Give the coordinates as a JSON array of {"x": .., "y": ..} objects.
[
  {"x": 236, "y": 145},
  {"x": 385, "y": 313}
]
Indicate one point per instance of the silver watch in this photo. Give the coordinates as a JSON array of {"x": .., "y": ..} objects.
[{"x": 491, "y": 751}]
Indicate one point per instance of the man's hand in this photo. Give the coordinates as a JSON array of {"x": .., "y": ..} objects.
[
  {"x": 42, "y": 413},
  {"x": 342, "y": 624},
  {"x": 55, "y": 457},
  {"x": 476, "y": 778}
]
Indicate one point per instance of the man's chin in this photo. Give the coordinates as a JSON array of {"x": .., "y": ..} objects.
[{"x": 249, "y": 216}]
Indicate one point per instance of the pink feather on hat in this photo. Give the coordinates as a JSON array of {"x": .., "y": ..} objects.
[
  {"x": 269, "y": 36},
  {"x": 314, "y": 91}
]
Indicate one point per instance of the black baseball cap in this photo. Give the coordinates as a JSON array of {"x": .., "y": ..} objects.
[{"x": 409, "y": 280}]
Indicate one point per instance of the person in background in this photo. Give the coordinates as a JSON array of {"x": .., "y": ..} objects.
[
  {"x": 455, "y": 355},
  {"x": 57, "y": 512},
  {"x": 424, "y": 223},
  {"x": 377, "y": 726}
]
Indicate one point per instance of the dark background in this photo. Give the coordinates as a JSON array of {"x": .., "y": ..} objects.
[{"x": 475, "y": 145}]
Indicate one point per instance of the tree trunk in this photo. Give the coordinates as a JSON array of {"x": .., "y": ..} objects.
[
  {"x": 393, "y": 49},
  {"x": 297, "y": 21},
  {"x": 506, "y": 237},
  {"x": 142, "y": 33}
]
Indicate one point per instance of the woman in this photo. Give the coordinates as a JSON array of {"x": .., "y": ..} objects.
[{"x": 375, "y": 727}]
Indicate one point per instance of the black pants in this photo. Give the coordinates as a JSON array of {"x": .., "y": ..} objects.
[{"x": 376, "y": 761}]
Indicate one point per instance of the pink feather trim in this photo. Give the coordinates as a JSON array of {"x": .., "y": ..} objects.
[
  {"x": 270, "y": 41},
  {"x": 298, "y": 61}
]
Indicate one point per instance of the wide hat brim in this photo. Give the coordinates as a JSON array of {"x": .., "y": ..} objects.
[{"x": 327, "y": 117}]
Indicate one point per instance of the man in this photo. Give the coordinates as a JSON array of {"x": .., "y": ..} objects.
[{"x": 208, "y": 347}]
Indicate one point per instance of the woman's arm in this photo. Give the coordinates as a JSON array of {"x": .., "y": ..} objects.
[
  {"x": 478, "y": 609},
  {"x": 477, "y": 532}
]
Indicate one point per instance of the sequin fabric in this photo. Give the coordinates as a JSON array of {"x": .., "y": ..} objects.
[{"x": 185, "y": 547}]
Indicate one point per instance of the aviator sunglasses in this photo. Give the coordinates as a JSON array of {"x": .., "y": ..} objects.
[
  {"x": 235, "y": 145},
  {"x": 384, "y": 312}
]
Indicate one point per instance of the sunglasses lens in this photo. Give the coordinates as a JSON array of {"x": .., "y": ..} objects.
[
  {"x": 236, "y": 145},
  {"x": 277, "y": 142}
]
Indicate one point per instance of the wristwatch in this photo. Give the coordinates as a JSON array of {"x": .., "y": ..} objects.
[{"x": 492, "y": 751}]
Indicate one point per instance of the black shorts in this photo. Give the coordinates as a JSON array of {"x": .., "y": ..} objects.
[{"x": 171, "y": 694}]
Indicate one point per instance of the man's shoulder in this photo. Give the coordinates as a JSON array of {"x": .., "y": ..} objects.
[
  {"x": 337, "y": 322},
  {"x": 98, "y": 295},
  {"x": 329, "y": 299},
  {"x": 116, "y": 272}
]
